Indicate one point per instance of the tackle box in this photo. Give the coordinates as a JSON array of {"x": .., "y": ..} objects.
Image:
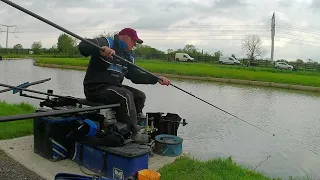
[
  {"x": 119, "y": 163},
  {"x": 50, "y": 136}
]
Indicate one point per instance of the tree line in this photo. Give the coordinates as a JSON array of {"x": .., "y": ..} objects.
[{"x": 67, "y": 45}]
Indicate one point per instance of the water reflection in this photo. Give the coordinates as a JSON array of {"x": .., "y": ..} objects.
[{"x": 291, "y": 115}]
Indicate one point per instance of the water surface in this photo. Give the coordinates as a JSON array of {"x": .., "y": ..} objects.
[{"x": 292, "y": 115}]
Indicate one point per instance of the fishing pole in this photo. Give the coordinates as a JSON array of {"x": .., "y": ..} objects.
[
  {"x": 54, "y": 112},
  {"x": 116, "y": 56},
  {"x": 38, "y": 92},
  {"x": 27, "y": 84}
]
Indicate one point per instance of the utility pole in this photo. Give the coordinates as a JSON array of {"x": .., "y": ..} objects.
[
  {"x": 7, "y": 26},
  {"x": 273, "y": 32}
]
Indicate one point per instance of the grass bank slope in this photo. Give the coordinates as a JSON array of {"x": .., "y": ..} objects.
[
  {"x": 9, "y": 130},
  {"x": 305, "y": 78}
]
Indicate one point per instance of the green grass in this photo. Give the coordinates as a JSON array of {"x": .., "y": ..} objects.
[
  {"x": 22, "y": 56},
  {"x": 83, "y": 62},
  {"x": 19, "y": 128},
  {"x": 308, "y": 78},
  {"x": 218, "y": 169}
]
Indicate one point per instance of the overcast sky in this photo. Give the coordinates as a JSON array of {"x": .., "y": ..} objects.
[{"x": 210, "y": 25}]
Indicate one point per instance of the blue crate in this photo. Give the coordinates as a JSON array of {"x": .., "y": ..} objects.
[{"x": 113, "y": 162}]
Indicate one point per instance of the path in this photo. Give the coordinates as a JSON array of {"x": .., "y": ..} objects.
[
  {"x": 21, "y": 150},
  {"x": 11, "y": 169}
]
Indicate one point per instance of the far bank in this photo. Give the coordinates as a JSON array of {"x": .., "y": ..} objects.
[{"x": 306, "y": 81}]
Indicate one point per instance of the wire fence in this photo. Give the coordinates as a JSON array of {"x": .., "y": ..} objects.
[
  {"x": 198, "y": 58},
  {"x": 43, "y": 51}
]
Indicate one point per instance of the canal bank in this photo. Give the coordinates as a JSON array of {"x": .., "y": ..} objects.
[
  {"x": 21, "y": 150},
  {"x": 223, "y": 80},
  {"x": 20, "y": 161}
]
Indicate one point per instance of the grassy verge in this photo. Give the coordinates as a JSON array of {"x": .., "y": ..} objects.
[
  {"x": 15, "y": 129},
  {"x": 306, "y": 78},
  {"x": 191, "y": 169},
  {"x": 83, "y": 62},
  {"x": 23, "y": 56}
]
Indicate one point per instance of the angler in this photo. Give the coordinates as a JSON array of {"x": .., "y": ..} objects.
[
  {"x": 108, "y": 53},
  {"x": 104, "y": 77}
]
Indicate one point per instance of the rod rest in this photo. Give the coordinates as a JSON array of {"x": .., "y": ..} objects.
[{"x": 84, "y": 101}]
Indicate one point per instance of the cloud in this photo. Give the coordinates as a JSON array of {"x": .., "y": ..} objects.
[
  {"x": 211, "y": 25},
  {"x": 229, "y": 3},
  {"x": 315, "y": 4},
  {"x": 285, "y": 3}
]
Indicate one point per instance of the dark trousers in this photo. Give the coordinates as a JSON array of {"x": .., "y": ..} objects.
[{"x": 132, "y": 101}]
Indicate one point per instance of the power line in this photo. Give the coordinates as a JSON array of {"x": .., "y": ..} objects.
[
  {"x": 301, "y": 30},
  {"x": 227, "y": 31},
  {"x": 215, "y": 32},
  {"x": 185, "y": 28},
  {"x": 290, "y": 42},
  {"x": 298, "y": 39},
  {"x": 300, "y": 35},
  {"x": 7, "y": 26},
  {"x": 221, "y": 28},
  {"x": 208, "y": 37}
]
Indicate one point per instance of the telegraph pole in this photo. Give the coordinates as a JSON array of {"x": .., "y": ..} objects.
[
  {"x": 273, "y": 32},
  {"x": 7, "y": 26}
]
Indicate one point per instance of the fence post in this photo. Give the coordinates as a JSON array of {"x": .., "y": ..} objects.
[{"x": 305, "y": 66}]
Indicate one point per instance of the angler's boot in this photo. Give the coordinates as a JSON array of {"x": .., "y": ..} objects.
[
  {"x": 141, "y": 116},
  {"x": 140, "y": 138}
]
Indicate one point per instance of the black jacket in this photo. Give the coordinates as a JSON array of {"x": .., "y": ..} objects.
[{"x": 107, "y": 71}]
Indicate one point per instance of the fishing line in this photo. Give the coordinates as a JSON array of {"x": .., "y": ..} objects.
[
  {"x": 116, "y": 56},
  {"x": 222, "y": 110},
  {"x": 261, "y": 163}
]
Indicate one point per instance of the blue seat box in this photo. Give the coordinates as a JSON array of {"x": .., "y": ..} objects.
[
  {"x": 118, "y": 163},
  {"x": 50, "y": 133}
]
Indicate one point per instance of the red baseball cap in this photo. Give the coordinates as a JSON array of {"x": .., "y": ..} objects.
[{"x": 131, "y": 33}]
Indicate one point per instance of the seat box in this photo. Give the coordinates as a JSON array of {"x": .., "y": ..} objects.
[
  {"x": 119, "y": 163},
  {"x": 50, "y": 136}
]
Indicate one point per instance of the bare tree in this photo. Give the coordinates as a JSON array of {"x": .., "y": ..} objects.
[
  {"x": 252, "y": 45},
  {"x": 309, "y": 61}
]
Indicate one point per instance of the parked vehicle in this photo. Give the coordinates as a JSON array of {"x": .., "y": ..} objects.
[
  {"x": 228, "y": 60},
  {"x": 183, "y": 57},
  {"x": 282, "y": 65}
]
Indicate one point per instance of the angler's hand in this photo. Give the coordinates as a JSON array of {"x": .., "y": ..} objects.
[
  {"x": 164, "y": 81},
  {"x": 108, "y": 52}
]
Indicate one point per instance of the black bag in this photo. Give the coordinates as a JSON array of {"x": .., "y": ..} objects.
[{"x": 110, "y": 136}]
